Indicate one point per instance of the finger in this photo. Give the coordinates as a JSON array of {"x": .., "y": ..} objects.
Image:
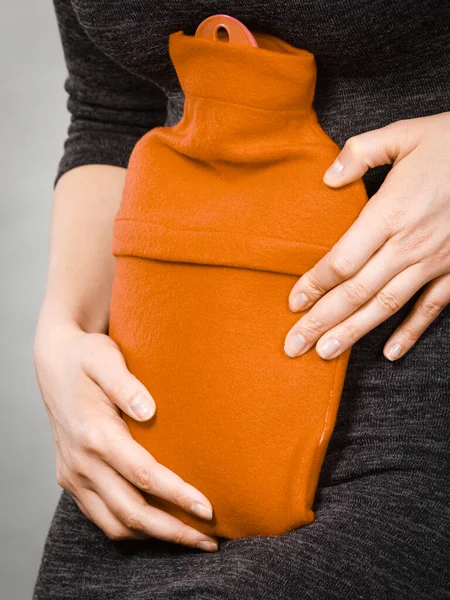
[
  {"x": 94, "y": 509},
  {"x": 428, "y": 307},
  {"x": 371, "y": 149},
  {"x": 131, "y": 508},
  {"x": 135, "y": 464},
  {"x": 379, "y": 308},
  {"x": 105, "y": 365},
  {"x": 345, "y": 299},
  {"x": 367, "y": 234}
]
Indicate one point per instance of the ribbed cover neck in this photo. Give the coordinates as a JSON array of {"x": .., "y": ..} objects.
[{"x": 274, "y": 76}]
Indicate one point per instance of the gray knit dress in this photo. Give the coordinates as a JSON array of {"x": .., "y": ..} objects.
[{"x": 382, "y": 528}]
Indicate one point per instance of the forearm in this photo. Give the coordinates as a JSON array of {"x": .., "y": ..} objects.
[{"x": 80, "y": 271}]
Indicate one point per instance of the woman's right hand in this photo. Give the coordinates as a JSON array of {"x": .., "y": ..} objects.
[{"x": 84, "y": 382}]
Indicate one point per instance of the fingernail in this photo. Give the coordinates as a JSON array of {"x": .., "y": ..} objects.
[
  {"x": 394, "y": 352},
  {"x": 299, "y": 301},
  {"x": 294, "y": 344},
  {"x": 335, "y": 170},
  {"x": 208, "y": 546},
  {"x": 142, "y": 407},
  {"x": 330, "y": 347},
  {"x": 201, "y": 511}
]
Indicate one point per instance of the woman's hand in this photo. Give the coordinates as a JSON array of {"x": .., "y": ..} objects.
[
  {"x": 84, "y": 381},
  {"x": 399, "y": 243}
]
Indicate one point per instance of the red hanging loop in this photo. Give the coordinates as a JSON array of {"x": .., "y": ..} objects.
[{"x": 237, "y": 32}]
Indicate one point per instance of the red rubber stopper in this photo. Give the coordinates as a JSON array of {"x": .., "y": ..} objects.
[{"x": 237, "y": 31}]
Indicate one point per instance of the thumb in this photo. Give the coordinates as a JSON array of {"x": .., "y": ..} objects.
[
  {"x": 105, "y": 365},
  {"x": 371, "y": 149}
]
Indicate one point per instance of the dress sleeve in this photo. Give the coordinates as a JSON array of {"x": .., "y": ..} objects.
[{"x": 110, "y": 108}]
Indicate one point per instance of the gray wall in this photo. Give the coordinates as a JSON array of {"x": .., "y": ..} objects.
[{"x": 33, "y": 120}]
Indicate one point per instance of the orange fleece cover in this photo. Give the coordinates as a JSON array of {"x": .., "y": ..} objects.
[{"x": 220, "y": 216}]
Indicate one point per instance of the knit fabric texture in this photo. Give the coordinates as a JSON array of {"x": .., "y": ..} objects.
[{"x": 382, "y": 528}]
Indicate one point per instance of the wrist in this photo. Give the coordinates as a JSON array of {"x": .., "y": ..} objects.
[
  {"x": 57, "y": 327},
  {"x": 72, "y": 314},
  {"x": 55, "y": 323}
]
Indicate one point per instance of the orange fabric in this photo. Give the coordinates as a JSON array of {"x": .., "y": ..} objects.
[{"x": 220, "y": 216}]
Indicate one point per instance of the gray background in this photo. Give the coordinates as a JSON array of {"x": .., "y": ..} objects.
[{"x": 33, "y": 121}]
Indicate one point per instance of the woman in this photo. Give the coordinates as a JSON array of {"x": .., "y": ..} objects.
[{"x": 382, "y": 515}]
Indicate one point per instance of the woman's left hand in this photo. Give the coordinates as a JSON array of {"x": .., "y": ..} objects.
[{"x": 399, "y": 243}]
